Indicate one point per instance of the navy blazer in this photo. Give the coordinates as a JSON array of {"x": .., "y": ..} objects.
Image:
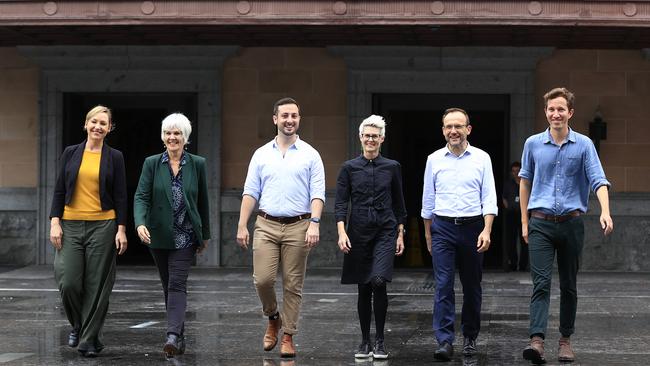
[{"x": 112, "y": 181}]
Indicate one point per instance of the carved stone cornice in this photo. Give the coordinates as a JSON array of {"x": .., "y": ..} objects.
[{"x": 564, "y": 13}]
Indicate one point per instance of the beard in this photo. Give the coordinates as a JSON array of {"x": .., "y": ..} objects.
[{"x": 284, "y": 132}]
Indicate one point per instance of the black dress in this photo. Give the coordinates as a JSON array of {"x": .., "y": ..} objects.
[{"x": 374, "y": 190}]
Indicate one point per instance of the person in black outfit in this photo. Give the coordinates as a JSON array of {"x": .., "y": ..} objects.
[
  {"x": 375, "y": 230},
  {"x": 510, "y": 202}
]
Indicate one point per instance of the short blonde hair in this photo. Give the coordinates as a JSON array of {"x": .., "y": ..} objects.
[
  {"x": 179, "y": 121},
  {"x": 374, "y": 121},
  {"x": 99, "y": 109}
]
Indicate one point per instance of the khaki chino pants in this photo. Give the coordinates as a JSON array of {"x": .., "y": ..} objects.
[{"x": 277, "y": 244}]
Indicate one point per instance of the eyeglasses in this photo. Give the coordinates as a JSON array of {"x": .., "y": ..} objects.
[
  {"x": 457, "y": 127},
  {"x": 367, "y": 136}
]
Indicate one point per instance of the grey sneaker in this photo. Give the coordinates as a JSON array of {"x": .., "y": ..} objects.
[
  {"x": 469, "y": 346},
  {"x": 364, "y": 351},
  {"x": 379, "y": 352}
]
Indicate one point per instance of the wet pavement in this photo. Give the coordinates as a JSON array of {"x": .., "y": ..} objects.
[{"x": 225, "y": 325}]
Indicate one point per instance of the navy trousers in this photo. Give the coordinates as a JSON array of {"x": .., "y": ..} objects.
[
  {"x": 174, "y": 268},
  {"x": 451, "y": 244}
]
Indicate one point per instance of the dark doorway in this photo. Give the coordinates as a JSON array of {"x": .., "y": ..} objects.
[
  {"x": 137, "y": 118},
  {"x": 414, "y": 132}
]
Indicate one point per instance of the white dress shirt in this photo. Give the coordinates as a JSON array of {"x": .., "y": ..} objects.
[
  {"x": 284, "y": 186},
  {"x": 458, "y": 186}
]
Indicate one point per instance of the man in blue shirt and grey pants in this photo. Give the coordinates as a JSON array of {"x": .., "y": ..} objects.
[
  {"x": 559, "y": 167},
  {"x": 459, "y": 203}
]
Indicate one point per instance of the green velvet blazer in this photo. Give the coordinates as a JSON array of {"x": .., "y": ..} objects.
[{"x": 152, "y": 204}]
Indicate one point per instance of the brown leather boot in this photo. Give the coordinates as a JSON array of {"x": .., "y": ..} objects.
[
  {"x": 286, "y": 348},
  {"x": 535, "y": 351},
  {"x": 564, "y": 351},
  {"x": 271, "y": 335}
]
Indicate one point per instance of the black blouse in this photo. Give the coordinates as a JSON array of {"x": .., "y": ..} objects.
[{"x": 375, "y": 184}]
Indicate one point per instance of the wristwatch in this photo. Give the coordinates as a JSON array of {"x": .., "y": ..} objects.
[{"x": 315, "y": 220}]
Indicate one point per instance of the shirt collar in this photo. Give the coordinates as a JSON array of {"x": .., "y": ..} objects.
[
  {"x": 366, "y": 161},
  {"x": 296, "y": 145},
  {"x": 165, "y": 158},
  {"x": 548, "y": 139},
  {"x": 468, "y": 150}
]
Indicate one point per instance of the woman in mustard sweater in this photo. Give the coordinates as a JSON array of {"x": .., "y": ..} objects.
[
  {"x": 87, "y": 228},
  {"x": 171, "y": 212}
]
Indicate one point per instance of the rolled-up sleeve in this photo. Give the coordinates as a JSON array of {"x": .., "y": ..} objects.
[
  {"x": 527, "y": 162},
  {"x": 317, "y": 181},
  {"x": 428, "y": 191},
  {"x": 252, "y": 186},
  {"x": 594, "y": 170},
  {"x": 488, "y": 189}
]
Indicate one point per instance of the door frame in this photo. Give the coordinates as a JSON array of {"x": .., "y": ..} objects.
[{"x": 105, "y": 69}]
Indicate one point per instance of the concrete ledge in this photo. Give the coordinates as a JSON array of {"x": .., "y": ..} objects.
[
  {"x": 18, "y": 199},
  {"x": 623, "y": 204}
]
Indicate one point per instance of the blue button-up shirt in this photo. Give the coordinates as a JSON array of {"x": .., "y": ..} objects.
[
  {"x": 561, "y": 175},
  {"x": 458, "y": 186},
  {"x": 285, "y": 185}
]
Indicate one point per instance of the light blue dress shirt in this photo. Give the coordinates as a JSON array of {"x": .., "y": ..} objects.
[
  {"x": 561, "y": 175},
  {"x": 284, "y": 186},
  {"x": 458, "y": 186}
]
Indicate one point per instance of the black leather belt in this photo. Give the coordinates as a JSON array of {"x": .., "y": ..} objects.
[
  {"x": 460, "y": 220},
  {"x": 284, "y": 220},
  {"x": 554, "y": 218}
]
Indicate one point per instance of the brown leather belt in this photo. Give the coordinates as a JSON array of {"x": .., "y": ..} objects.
[
  {"x": 284, "y": 220},
  {"x": 554, "y": 218}
]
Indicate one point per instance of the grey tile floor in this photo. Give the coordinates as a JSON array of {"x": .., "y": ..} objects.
[{"x": 225, "y": 325}]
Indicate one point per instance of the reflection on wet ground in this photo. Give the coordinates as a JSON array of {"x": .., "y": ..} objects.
[{"x": 225, "y": 325}]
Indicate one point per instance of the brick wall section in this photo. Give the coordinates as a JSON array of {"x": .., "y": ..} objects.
[
  {"x": 18, "y": 120},
  {"x": 617, "y": 82},
  {"x": 256, "y": 78}
]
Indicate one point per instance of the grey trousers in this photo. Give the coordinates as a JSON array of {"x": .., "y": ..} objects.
[
  {"x": 174, "y": 267},
  {"x": 84, "y": 270}
]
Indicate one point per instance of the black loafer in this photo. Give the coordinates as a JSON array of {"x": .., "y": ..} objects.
[
  {"x": 73, "y": 338},
  {"x": 171, "y": 347},
  {"x": 469, "y": 347},
  {"x": 444, "y": 352}
]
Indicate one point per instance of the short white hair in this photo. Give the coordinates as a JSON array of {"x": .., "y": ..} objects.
[
  {"x": 374, "y": 121},
  {"x": 179, "y": 121}
]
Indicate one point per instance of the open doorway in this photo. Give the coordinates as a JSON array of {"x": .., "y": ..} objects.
[
  {"x": 137, "y": 118},
  {"x": 414, "y": 132}
]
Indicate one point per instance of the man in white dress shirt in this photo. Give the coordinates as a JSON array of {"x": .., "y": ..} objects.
[
  {"x": 286, "y": 177},
  {"x": 459, "y": 203}
]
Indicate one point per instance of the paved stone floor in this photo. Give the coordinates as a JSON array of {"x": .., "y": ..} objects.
[{"x": 225, "y": 326}]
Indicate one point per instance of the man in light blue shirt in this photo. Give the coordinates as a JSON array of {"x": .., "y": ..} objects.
[
  {"x": 286, "y": 177},
  {"x": 459, "y": 203},
  {"x": 559, "y": 168}
]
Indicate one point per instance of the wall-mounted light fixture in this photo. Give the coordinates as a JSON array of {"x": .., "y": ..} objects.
[{"x": 598, "y": 129}]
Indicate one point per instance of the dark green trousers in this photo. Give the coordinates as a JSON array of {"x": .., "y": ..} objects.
[
  {"x": 545, "y": 238},
  {"x": 84, "y": 269}
]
